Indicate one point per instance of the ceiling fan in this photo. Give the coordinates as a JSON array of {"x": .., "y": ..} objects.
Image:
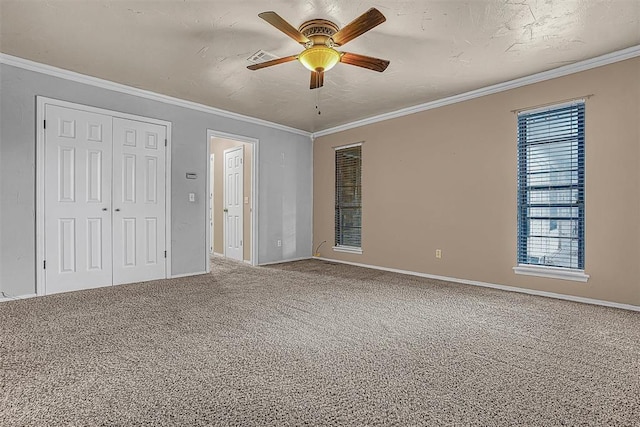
[{"x": 320, "y": 38}]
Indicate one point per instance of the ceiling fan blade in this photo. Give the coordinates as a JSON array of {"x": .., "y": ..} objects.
[
  {"x": 277, "y": 21},
  {"x": 317, "y": 79},
  {"x": 368, "y": 20},
  {"x": 272, "y": 62},
  {"x": 375, "y": 64}
]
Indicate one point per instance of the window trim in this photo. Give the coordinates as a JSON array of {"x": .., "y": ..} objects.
[
  {"x": 551, "y": 272},
  {"x": 345, "y": 248},
  {"x": 348, "y": 249},
  {"x": 547, "y": 271},
  {"x": 342, "y": 147}
]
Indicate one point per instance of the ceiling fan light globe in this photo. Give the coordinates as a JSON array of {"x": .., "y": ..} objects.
[{"x": 319, "y": 58}]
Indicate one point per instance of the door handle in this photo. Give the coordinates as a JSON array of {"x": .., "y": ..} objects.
[
  {"x": 225, "y": 210},
  {"x": 104, "y": 209},
  {"x": 117, "y": 209}
]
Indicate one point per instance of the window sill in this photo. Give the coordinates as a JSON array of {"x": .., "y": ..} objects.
[
  {"x": 348, "y": 249},
  {"x": 551, "y": 272}
]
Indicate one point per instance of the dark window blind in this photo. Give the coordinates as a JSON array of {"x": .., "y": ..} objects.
[
  {"x": 348, "y": 213},
  {"x": 551, "y": 187}
]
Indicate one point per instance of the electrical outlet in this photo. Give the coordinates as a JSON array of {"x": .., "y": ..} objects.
[
  {"x": 279, "y": 243},
  {"x": 438, "y": 253}
]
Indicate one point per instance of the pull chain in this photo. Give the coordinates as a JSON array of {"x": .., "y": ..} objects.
[{"x": 318, "y": 101}]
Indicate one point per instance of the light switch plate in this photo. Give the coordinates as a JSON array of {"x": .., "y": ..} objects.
[{"x": 192, "y": 197}]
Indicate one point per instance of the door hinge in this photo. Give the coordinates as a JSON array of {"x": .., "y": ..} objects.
[
  {"x": 165, "y": 254},
  {"x": 45, "y": 124},
  {"x": 44, "y": 265},
  {"x": 165, "y": 142},
  {"x": 240, "y": 242}
]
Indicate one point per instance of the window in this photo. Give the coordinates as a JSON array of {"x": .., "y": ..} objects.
[
  {"x": 551, "y": 190},
  {"x": 348, "y": 213}
]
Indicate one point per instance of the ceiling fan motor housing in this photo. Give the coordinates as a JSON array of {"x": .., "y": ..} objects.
[{"x": 319, "y": 32}]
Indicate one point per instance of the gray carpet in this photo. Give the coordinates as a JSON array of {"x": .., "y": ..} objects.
[{"x": 315, "y": 343}]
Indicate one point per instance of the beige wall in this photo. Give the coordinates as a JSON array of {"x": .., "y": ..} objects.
[
  {"x": 218, "y": 145},
  {"x": 446, "y": 179}
]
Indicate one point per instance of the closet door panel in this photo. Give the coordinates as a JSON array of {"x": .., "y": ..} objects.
[
  {"x": 77, "y": 199},
  {"x": 139, "y": 194}
]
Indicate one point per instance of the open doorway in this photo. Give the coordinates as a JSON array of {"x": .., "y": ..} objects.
[{"x": 232, "y": 171}]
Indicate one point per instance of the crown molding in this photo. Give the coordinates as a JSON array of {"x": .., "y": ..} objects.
[
  {"x": 130, "y": 90},
  {"x": 565, "y": 70}
]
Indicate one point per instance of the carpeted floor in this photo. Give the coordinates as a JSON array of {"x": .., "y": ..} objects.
[{"x": 315, "y": 343}]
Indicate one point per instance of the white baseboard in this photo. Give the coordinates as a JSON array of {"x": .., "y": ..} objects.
[
  {"x": 14, "y": 298},
  {"x": 285, "y": 260},
  {"x": 494, "y": 286},
  {"x": 197, "y": 273}
]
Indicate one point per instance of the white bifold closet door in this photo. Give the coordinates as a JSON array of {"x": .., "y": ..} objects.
[
  {"x": 104, "y": 212},
  {"x": 138, "y": 201},
  {"x": 77, "y": 207}
]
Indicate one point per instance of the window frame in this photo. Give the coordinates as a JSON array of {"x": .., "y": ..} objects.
[
  {"x": 337, "y": 246},
  {"x": 524, "y": 190}
]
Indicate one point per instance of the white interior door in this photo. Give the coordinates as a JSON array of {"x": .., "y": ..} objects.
[
  {"x": 138, "y": 201},
  {"x": 77, "y": 199},
  {"x": 233, "y": 197}
]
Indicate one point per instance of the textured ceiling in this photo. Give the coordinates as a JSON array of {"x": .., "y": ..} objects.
[{"x": 198, "y": 50}]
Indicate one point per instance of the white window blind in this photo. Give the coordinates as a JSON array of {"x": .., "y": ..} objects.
[
  {"x": 551, "y": 186},
  {"x": 348, "y": 206}
]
